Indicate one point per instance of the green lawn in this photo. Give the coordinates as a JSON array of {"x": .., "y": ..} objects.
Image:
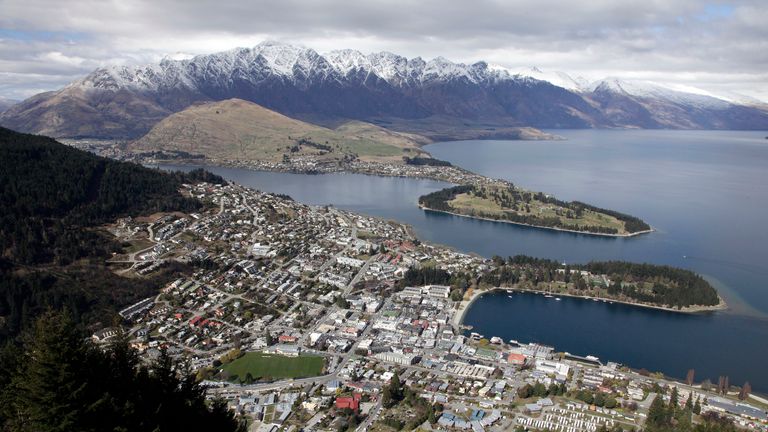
[{"x": 275, "y": 366}]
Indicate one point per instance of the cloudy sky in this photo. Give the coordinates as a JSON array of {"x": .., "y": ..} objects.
[{"x": 721, "y": 47}]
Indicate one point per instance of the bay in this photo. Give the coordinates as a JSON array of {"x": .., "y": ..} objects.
[{"x": 703, "y": 191}]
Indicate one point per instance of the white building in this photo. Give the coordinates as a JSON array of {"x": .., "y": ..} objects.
[
  {"x": 560, "y": 370},
  {"x": 438, "y": 291},
  {"x": 352, "y": 262},
  {"x": 401, "y": 359}
]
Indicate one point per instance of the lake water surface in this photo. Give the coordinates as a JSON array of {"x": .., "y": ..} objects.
[{"x": 705, "y": 192}]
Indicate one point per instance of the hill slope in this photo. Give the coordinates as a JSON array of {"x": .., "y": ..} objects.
[
  {"x": 49, "y": 192},
  {"x": 125, "y": 102},
  {"x": 239, "y": 130},
  {"x": 51, "y": 254}
]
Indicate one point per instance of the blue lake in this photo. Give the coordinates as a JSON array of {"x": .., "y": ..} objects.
[{"x": 705, "y": 192}]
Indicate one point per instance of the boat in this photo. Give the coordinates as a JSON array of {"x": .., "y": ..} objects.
[
  {"x": 547, "y": 296},
  {"x": 558, "y": 298},
  {"x": 594, "y": 299},
  {"x": 509, "y": 296},
  {"x": 509, "y": 291}
]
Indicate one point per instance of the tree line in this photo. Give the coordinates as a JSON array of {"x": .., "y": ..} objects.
[
  {"x": 674, "y": 416},
  {"x": 428, "y": 161},
  {"x": 59, "y": 381},
  {"x": 670, "y": 286}
]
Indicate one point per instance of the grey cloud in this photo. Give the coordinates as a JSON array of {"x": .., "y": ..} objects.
[{"x": 594, "y": 38}]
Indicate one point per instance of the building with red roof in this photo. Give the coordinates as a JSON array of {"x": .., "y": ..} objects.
[
  {"x": 351, "y": 402},
  {"x": 516, "y": 359}
]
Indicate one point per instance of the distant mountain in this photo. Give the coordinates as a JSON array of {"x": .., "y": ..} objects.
[
  {"x": 241, "y": 130},
  {"x": 383, "y": 88},
  {"x": 6, "y": 103},
  {"x": 650, "y": 105},
  {"x": 557, "y": 78}
]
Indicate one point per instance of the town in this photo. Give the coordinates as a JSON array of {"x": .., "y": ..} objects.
[{"x": 303, "y": 318}]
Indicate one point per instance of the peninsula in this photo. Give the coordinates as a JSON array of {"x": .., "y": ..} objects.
[
  {"x": 657, "y": 286},
  {"x": 503, "y": 202},
  {"x": 242, "y": 134}
]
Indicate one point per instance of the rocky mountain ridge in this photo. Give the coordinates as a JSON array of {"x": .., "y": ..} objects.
[{"x": 383, "y": 88}]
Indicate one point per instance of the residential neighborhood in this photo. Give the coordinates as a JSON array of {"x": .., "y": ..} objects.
[{"x": 301, "y": 318}]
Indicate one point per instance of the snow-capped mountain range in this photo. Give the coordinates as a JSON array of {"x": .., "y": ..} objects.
[{"x": 380, "y": 87}]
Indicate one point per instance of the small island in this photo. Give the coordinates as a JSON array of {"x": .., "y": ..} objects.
[{"x": 503, "y": 202}]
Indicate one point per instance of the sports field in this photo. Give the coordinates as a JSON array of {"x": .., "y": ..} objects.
[{"x": 262, "y": 365}]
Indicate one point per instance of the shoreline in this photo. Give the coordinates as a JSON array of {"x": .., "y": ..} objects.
[
  {"x": 460, "y": 175},
  {"x": 464, "y": 306},
  {"x": 628, "y": 235},
  {"x": 419, "y": 176}
]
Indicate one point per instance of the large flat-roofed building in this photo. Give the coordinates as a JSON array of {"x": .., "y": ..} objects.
[
  {"x": 438, "y": 291},
  {"x": 352, "y": 262},
  {"x": 433, "y": 291},
  {"x": 560, "y": 370},
  {"x": 397, "y": 358}
]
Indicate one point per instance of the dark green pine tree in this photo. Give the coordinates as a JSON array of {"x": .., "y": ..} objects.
[
  {"x": 59, "y": 382},
  {"x": 50, "y": 387},
  {"x": 674, "y": 400},
  {"x": 396, "y": 387},
  {"x": 657, "y": 414},
  {"x": 697, "y": 406}
]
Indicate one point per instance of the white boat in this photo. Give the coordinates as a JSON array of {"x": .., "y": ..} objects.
[
  {"x": 547, "y": 296},
  {"x": 509, "y": 291},
  {"x": 558, "y": 298}
]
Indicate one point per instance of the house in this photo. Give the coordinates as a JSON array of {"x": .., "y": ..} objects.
[
  {"x": 349, "y": 402},
  {"x": 104, "y": 334},
  {"x": 516, "y": 359}
]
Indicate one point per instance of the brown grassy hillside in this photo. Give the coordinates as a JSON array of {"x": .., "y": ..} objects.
[{"x": 237, "y": 129}]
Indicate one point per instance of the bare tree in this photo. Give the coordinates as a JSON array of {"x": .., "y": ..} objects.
[
  {"x": 690, "y": 376},
  {"x": 746, "y": 389}
]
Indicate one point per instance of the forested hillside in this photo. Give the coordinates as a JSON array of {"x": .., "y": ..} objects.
[
  {"x": 52, "y": 255},
  {"x": 57, "y": 381},
  {"x": 55, "y": 289},
  {"x": 49, "y": 192}
]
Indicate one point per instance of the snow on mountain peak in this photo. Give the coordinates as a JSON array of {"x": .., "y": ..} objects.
[
  {"x": 283, "y": 58},
  {"x": 647, "y": 89},
  {"x": 556, "y": 78},
  {"x": 300, "y": 65}
]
